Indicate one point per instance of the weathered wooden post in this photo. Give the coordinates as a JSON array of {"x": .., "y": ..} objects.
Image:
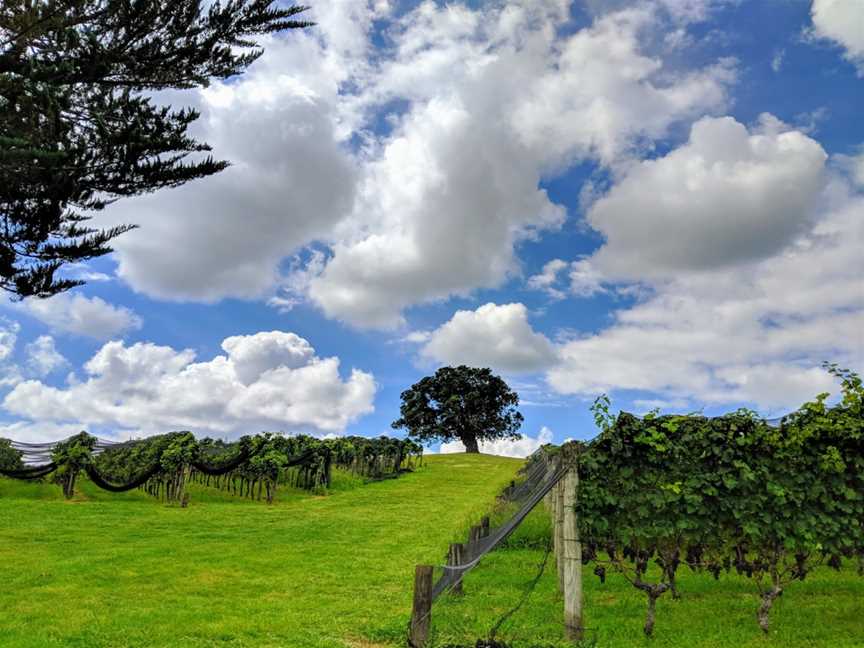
[
  {"x": 559, "y": 532},
  {"x": 421, "y": 613},
  {"x": 454, "y": 559},
  {"x": 572, "y": 548}
]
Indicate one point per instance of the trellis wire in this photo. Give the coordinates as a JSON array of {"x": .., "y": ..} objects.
[{"x": 543, "y": 473}]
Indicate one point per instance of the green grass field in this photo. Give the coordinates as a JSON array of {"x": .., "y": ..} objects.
[{"x": 336, "y": 571}]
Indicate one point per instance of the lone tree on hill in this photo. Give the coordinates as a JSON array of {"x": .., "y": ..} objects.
[
  {"x": 78, "y": 128},
  {"x": 464, "y": 403}
]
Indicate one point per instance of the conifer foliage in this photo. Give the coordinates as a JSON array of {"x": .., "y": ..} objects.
[{"x": 79, "y": 128}]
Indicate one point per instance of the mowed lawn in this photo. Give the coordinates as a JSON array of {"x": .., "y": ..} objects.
[
  {"x": 125, "y": 570},
  {"x": 826, "y": 610}
]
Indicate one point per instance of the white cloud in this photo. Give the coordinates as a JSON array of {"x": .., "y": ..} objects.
[
  {"x": 268, "y": 380},
  {"x": 496, "y": 336},
  {"x": 841, "y": 21},
  {"x": 852, "y": 166},
  {"x": 282, "y": 125},
  {"x": 8, "y": 337},
  {"x": 252, "y": 355},
  {"x": 74, "y": 313},
  {"x": 83, "y": 272},
  {"x": 546, "y": 280},
  {"x": 42, "y": 432},
  {"x": 9, "y": 373},
  {"x": 497, "y": 102},
  {"x": 482, "y": 103},
  {"x": 584, "y": 279},
  {"x": 675, "y": 404},
  {"x": 680, "y": 11},
  {"x": 725, "y": 197},
  {"x": 752, "y": 333},
  {"x": 417, "y": 337},
  {"x": 777, "y": 60},
  {"x": 505, "y": 448},
  {"x": 43, "y": 358}
]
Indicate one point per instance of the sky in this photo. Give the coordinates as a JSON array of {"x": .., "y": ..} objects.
[{"x": 660, "y": 200}]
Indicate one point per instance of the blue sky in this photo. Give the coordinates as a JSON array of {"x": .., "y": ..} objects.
[{"x": 659, "y": 199}]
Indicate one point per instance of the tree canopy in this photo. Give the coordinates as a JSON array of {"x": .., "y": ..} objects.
[
  {"x": 79, "y": 128},
  {"x": 465, "y": 403}
]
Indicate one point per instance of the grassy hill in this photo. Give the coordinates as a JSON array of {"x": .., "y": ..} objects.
[{"x": 336, "y": 571}]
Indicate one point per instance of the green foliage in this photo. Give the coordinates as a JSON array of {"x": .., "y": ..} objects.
[
  {"x": 725, "y": 492},
  {"x": 10, "y": 459},
  {"x": 78, "y": 125},
  {"x": 72, "y": 456},
  {"x": 254, "y": 466},
  {"x": 464, "y": 403}
]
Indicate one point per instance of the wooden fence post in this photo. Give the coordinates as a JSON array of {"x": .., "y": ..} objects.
[
  {"x": 559, "y": 532},
  {"x": 421, "y": 613},
  {"x": 552, "y": 500},
  {"x": 572, "y": 551},
  {"x": 454, "y": 559}
]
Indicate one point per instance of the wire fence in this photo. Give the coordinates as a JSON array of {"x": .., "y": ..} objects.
[{"x": 542, "y": 473}]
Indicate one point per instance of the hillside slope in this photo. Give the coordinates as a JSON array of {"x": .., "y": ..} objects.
[
  {"x": 336, "y": 572},
  {"x": 125, "y": 570}
]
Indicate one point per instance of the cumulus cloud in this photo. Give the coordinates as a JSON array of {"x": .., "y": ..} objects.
[
  {"x": 416, "y": 166},
  {"x": 9, "y": 373},
  {"x": 225, "y": 235},
  {"x": 43, "y": 358},
  {"x": 255, "y": 354},
  {"x": 497, "y": 102},
  {"x": 282, "y": 125},
  {"x": 752, "y": 333},
  {"x": 41, "y": 432},
  {"x": 80, "y": 315},
  {"x": 505, "y": 448},
  {"x": 8, "y": 337},
  {"x": 270, "y": 380},
  {"x": 841, "y": 21},
  {"x": 725, "y": 197},
  {"x": 496, "y": 336}
]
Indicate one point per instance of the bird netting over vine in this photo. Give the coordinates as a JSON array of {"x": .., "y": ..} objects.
[{"x": 163, "y": 464}]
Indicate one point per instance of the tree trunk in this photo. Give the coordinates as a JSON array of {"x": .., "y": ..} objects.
[
  {"x": 649, "y": 617},
  {"x": 768, "y": 599},
  {"x": 470, "y": 443},
  {"x": 672, "y": 584},
  {"x": 653, "y": 592},
  {"x": 69, "y": 485}
]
